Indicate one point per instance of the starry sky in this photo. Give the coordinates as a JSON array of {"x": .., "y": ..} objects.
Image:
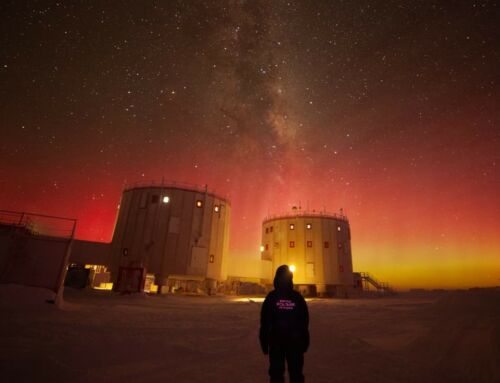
[{"x": 387, "y": 109}]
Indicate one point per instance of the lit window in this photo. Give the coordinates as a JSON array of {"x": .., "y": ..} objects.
[
  {"x": 338, "y": 228},
  {"x": 166, "y": 199},
  {"x": 327, "y": 245},
  {"x": 212, "y": 258},
  {"x": 216, "y": 208},
  {"x": 309, "y": 243},
  {"x": 308, "y": 226},
  {"x": 292, "y": 243},
  {"x": 199, "y": 203},
  {"x": 292, "y": 268},
  {"x": 155, "y": 198},
  {"x": 292, "y": 226}
]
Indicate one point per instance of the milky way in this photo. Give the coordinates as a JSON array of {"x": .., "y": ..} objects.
[{"x": 388, "y": 110}]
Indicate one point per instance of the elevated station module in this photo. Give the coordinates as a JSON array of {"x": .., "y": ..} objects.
[
  {"x": 317, "y": 246},
  {"x": 171, "y": 237}
]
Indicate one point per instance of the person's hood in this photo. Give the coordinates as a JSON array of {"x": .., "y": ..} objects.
[{"x": 283, "y": 280}]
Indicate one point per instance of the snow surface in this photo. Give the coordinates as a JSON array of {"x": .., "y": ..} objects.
[{"x": 99, "y": 336}]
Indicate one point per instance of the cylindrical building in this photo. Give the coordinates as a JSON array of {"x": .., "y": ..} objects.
[
  {"x": 176, "y": 233},
  {"x": 316, "y": 245}
]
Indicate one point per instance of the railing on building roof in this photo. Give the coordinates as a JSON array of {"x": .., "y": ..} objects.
[
  {"x": 305, "y": 214},
  {"x": 39, "y": 224},
  {"x": 175, "y": 185}
]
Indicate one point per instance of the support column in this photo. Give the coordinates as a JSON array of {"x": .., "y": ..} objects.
[{"x": 321, "y": 290}]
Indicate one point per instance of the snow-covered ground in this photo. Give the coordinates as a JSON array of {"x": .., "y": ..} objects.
[{"x": 98, "y": 336}]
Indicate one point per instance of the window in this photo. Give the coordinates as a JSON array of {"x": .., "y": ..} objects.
[
  {"x": 309, "y": 243},
  {"x": 327, "y": 245},
  {"x": 308, "y": 226},
  {"x": 267, "y": 246},
  {"x": 262, "y": 248},
  {"x": 166, "y": 199},
  {"x": 212, "y": 258},
  {"x": 155, "y": 198},
  {"x": 270, "y": 229},
  {"x": 216, "y": 208},
  {"x": 199, "y": 203},
  {"x": 292, "y": 226},
  {"x": 267, "y": 230},
  {"x": 341, "y": 268},
  {"x": 292, "y": 243},
  {"x": 340, "y": 246}
]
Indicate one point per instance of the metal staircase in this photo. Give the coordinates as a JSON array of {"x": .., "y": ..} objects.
[{"x": 382, "y": 287}]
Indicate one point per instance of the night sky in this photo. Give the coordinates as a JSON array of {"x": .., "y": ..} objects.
[{"x": 388, "y": 109}]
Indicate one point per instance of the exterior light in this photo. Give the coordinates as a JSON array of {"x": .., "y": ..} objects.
[
  {"x": 292, "y": 268},
  {"x": 216, "y": 208},
  {"x": 199, "y": 203},
  {"x": 338, "y": 228},
  {"x": 262, "y": 248},
  {"x": 292, "y": 226},
  {"x": 166, "y": 199},
  {"x": 308, "y": 226}
]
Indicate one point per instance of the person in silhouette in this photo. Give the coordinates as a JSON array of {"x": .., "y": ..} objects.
[{"x": 284, "y": 328}]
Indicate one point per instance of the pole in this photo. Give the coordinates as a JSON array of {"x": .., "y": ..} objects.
[{"x": 59, "y": 288}]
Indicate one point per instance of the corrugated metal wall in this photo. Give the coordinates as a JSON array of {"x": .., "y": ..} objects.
[{"x": 188, "y": 235}]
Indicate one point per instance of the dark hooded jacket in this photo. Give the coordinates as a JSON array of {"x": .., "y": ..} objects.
[{"x": 284, "y": 319}]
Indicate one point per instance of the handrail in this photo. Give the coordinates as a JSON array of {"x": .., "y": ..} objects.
[
  {"x": 384, "y": 286},
  {"x": 175, "y": 184},
  {"x": 306, "y": 213},
  {"x": 39, "y": 224},
  {"x": 20, "y": 213}
]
